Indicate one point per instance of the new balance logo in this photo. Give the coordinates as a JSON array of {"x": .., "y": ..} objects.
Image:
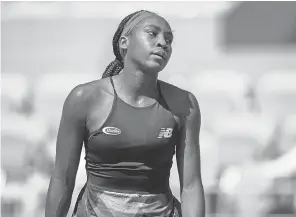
[{"x": 165, "y": 133}]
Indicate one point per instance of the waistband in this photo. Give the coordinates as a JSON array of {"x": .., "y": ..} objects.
[{"x": 130, "y": 185}]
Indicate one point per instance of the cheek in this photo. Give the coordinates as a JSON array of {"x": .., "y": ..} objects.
[
  {"x": 145, "y": 43},
  {"x": 141, "y": 48}
]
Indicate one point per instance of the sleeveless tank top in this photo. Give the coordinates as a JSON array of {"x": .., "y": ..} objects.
[{"x": 133, "y": 150}]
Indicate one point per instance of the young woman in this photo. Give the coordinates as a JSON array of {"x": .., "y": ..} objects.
[{"x": 131, "y": 124}]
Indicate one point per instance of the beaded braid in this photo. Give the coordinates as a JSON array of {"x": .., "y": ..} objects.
[{"x": 117, "y": 65}]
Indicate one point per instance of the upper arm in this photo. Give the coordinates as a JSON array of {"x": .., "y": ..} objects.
[
  {"x": 188, "y": 151},
  {"x": 70, "y": 136}
]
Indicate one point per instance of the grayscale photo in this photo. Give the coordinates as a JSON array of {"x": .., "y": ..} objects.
[{"x": 148, "y": 109}]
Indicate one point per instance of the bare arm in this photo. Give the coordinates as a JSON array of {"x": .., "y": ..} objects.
[
  {"x": 188, "y": 162},
  {"x": 68, "y": 150}
]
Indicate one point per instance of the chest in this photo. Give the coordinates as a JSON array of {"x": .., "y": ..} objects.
[{"x": 136, "y": 126}]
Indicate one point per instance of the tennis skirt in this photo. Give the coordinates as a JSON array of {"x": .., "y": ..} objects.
[{"x": 94, "y": 201}]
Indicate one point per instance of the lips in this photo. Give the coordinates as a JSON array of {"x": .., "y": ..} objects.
[{"x": 161, "y": 54}]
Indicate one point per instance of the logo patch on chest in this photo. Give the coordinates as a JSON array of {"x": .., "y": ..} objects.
[
  {"x": 165, "y": 133},
  {"x": 111, "y": 131}
]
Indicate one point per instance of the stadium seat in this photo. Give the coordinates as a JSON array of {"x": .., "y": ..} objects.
[
  {"x": 11, "y": 200},
  {"x": 33, "y": 194},
  {"x": 31, "y": 128},
  {"x": 3, "y": 179},
  {"x": 19, "y": 136},
  {"x": 276, "y": 94},
  {"x": 288, "y": 134},
  {"x": 220, "y": 92},
  {"x": 209, "y": 158},
  {"x": 51, "y": 91},
  {"x": 14, "y": 89},
  {"x": 242, "y": 136}
]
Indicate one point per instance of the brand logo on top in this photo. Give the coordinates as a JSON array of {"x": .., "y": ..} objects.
[
  {"x": 111, "y": 131},
  {"x": 165, "y": 133}
]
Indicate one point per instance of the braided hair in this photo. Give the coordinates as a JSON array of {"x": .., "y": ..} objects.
[{"x": 117, "y": 65}]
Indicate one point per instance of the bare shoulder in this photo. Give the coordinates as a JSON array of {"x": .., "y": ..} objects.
[
  {"x": 90, "y": 90},
  {"x": 182, "y": 102},
  {"x": 82, "y": 96}
]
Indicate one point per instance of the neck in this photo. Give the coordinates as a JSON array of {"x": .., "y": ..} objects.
[{"x": 137, "y": 84}]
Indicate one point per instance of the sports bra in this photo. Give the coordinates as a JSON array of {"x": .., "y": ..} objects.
[{"x": 133, "y": 150}]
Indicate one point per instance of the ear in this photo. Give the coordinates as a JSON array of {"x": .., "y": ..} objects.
[{"x": 123, "y": 42}]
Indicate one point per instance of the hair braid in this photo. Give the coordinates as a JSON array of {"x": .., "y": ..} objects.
[{"x": 117, "y": 65}]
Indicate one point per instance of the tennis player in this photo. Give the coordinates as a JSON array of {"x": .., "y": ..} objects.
[{"x": 131, "y": 124}]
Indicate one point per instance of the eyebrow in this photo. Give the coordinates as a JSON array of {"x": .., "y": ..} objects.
[{"x": 158, "y": 28}]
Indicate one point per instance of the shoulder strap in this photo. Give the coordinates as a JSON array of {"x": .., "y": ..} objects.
[
  {"x": 177, "y": 99},
  {"x": 161, "y": 96}
]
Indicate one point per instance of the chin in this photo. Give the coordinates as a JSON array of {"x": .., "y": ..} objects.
[{"x": 153, "y": 66}]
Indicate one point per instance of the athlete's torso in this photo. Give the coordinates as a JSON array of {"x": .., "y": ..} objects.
[
  {"x": 150, "y": 133},
  {"x": 132, "y": 149}
]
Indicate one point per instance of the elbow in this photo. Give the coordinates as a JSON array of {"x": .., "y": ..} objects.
[
  {"x": 193, "y": 189},
  {"x": 65, "y": 179},
  {"x": 59, "y": 190},
  {"x": 61, "y": 185},
  {"x": 192, "y": 185}
]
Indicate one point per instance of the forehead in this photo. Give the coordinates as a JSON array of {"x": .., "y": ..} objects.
[{"x": 156, "y": 21}]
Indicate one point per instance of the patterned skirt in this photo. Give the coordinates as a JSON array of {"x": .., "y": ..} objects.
[{"x": 96, "y": 202}]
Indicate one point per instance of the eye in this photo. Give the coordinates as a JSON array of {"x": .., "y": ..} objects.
[
  {"x": 169, "y": 41},
  {"x": 169, "y": 38},
  {"x": 152, "y": 33}
]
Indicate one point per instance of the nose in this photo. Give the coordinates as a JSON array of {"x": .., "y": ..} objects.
[{"x": 162, "y": 42}]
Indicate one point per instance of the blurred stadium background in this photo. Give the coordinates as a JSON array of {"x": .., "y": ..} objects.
[{"x": 238, "y": 58}]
